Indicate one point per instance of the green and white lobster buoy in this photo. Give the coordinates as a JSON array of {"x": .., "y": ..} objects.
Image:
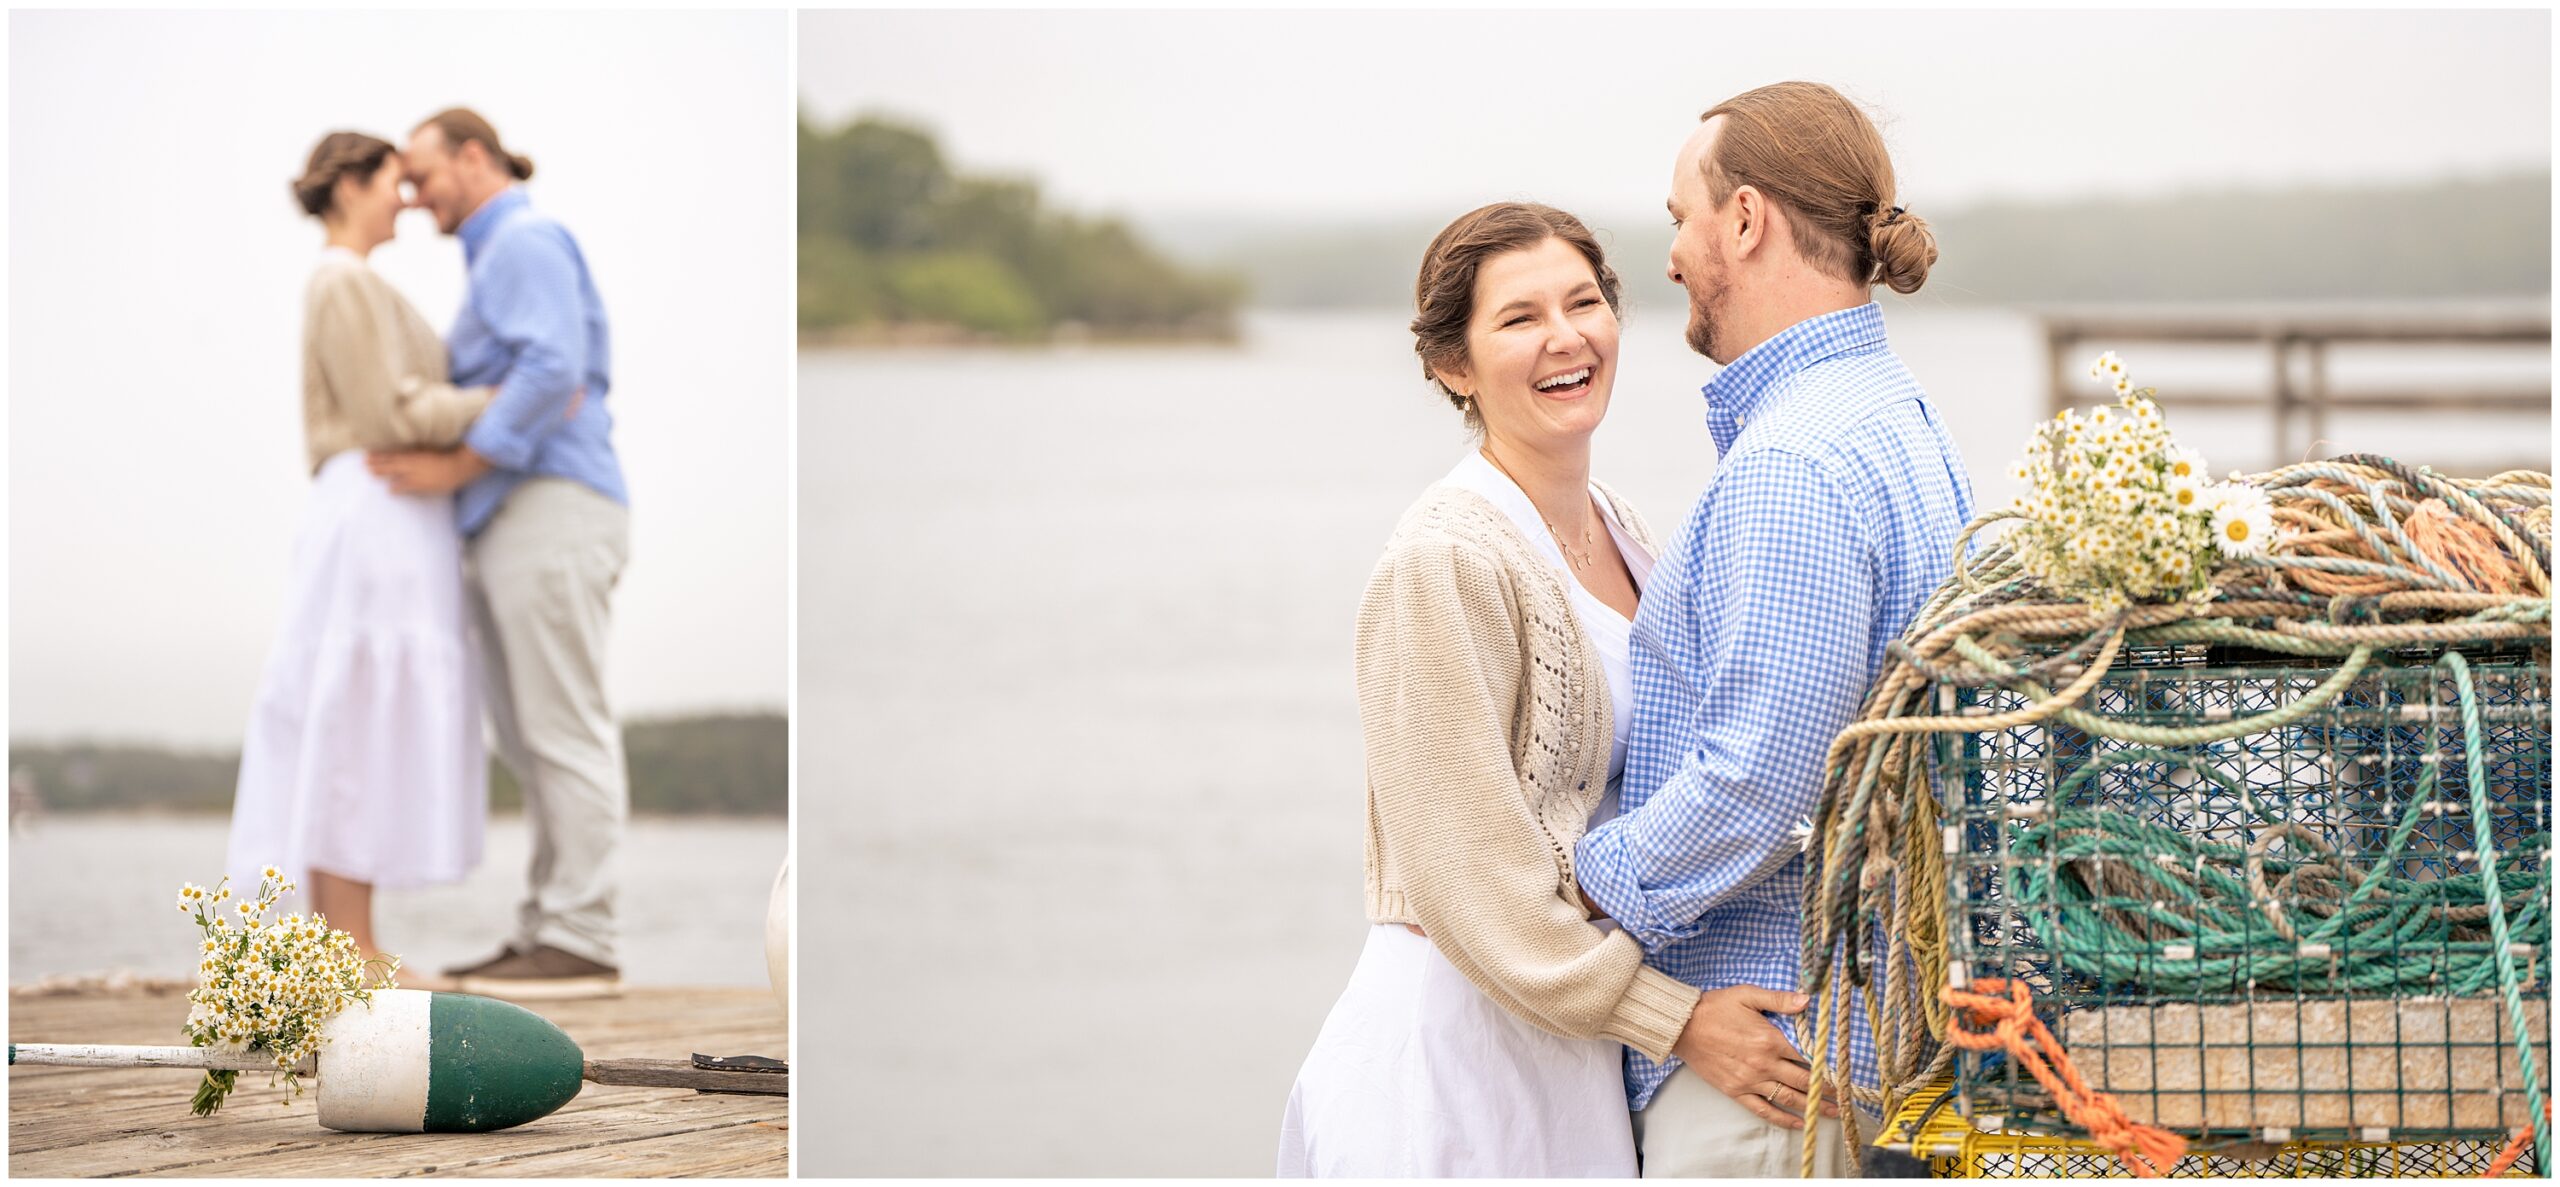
[
  {"x": 416, "y": 1062},
  {"x": 409, "y": 1061}
]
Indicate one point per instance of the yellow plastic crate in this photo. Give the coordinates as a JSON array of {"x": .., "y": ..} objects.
[{"x": 1955, "y": 1149}]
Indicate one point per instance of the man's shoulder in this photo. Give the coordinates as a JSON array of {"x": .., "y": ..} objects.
[
  {"x": 1826, "y": 412},
  {"x": 1847, "y": 386},
  {"x": 1820, "y": 429},
  {"x": 530, "y": 228}
]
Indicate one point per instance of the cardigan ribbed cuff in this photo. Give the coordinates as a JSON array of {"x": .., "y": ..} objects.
[
  {"x": 1649, "y": 1016},
  {"x": 1653, "y": 1013}
]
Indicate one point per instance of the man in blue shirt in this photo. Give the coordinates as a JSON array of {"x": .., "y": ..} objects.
[
  {"x": 541, "y": 498},
  {"x": 1831, "y": 517}
]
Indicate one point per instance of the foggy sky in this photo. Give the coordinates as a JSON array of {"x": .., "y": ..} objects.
[
  {"x": 1343, "y": 114},
  {"x": 156, "y": 265}
]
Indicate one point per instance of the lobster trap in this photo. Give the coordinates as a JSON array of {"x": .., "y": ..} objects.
[{"x": 2333, "y": 928}]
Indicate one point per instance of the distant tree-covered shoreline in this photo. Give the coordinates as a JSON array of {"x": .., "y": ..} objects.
[
  {"x": 897, "y": 246},
  {"x": 713, "y": 765},
  {"x": 2450, "y": 238}
]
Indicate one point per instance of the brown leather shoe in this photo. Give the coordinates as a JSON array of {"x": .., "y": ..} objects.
[
  {"x": 506, "y": 952},
  {"x": 543, "y": 974}
]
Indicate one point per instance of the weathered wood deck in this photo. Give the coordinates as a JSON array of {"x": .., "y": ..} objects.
[{"x": 74, "y": 1122}]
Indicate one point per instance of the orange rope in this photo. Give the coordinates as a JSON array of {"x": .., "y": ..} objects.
[
  {"x": 2515, "y": 1149},
  {"x": 2471, "y": 550},
  {"x": 2004, "y": 1007}
]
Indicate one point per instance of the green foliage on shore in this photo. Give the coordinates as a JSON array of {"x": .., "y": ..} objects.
[
  {"x": 723, "y": 765},
  {"x": 893, "y": 241}
]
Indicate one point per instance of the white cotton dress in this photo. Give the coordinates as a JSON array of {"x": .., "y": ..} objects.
[
  {"x": 1417, "y": 1073},
  {"x": 363, "y": 756}
]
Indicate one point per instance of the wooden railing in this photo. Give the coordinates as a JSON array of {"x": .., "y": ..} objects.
[{"x": 2302, "y": 402}]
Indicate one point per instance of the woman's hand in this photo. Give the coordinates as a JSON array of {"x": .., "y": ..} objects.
[{"x": 426, "y": 471}]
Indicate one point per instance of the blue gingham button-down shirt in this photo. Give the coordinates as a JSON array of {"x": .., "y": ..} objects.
[
  {"x": 1830, "y": 520},
  {"x": 532, "y": 324}
]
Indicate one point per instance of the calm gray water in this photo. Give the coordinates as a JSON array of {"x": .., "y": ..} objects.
[
  {"x": 1080, "y": 790},
  {"x": 97, "y": 893}
]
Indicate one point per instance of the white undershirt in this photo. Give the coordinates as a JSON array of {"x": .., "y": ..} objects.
[{"x": 1610, "y": 632}]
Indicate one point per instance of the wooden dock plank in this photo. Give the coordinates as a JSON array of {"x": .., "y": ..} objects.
[
  {"x": 723, "y": 1153},
  {"x": 85, "y": 1122},
  {"x": 487, "y": 1154},
  {"x": 105, "y": 1103},
  {"x": 138, "y": 1115}
]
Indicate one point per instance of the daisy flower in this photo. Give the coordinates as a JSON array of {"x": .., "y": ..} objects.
[
  {"x": 2243, "y": 520},
  {"x": 2187, "y": 494}
]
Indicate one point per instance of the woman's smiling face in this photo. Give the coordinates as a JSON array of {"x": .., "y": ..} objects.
[
  {"x": 371, "y": 205},
  {"x": 1542, "y": 346}
]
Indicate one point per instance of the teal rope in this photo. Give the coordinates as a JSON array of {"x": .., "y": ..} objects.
[
  {"x": 2508, "y": 982},
  {"x": 2385, "y": 936}
]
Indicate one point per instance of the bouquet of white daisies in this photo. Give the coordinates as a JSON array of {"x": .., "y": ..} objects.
[
  {"x": 2115, "y": 511},
  {"x": 268, "y": 984}
]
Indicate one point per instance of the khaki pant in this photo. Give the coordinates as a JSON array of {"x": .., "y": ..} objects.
[
  {"x": 1692, "y": 1130},
  {"x": 541, "y": 577}
]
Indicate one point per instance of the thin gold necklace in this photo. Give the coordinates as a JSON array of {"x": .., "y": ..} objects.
[{"x": 1579, "y": 563}]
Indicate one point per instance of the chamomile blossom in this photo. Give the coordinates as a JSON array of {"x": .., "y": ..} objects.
[{"x": 272, "y": 984}]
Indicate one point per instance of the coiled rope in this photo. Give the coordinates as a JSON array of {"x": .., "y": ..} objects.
[
  {"x": 2120, "y": 893},
  {"x": 2372, "y": 554}
]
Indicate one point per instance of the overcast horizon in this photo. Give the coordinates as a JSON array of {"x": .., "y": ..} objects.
[{"x": 1111, "y": 112}]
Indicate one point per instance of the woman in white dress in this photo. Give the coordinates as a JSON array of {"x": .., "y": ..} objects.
[
  {"x": 363, "y": 764},
  {"x": 1483, "y": 1030}
]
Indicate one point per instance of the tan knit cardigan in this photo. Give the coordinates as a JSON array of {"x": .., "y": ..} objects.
[
  {"x": 373, "y": 371},
  {"x": 1487, "y": 721}
]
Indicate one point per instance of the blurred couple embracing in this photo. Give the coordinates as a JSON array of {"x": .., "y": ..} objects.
[{"x": 466, "y": 526}]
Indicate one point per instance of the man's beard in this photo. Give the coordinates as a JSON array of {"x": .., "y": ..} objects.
[
  {"x": 1702, "y": 320},
  {"x": 1702, "y": 329}
]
